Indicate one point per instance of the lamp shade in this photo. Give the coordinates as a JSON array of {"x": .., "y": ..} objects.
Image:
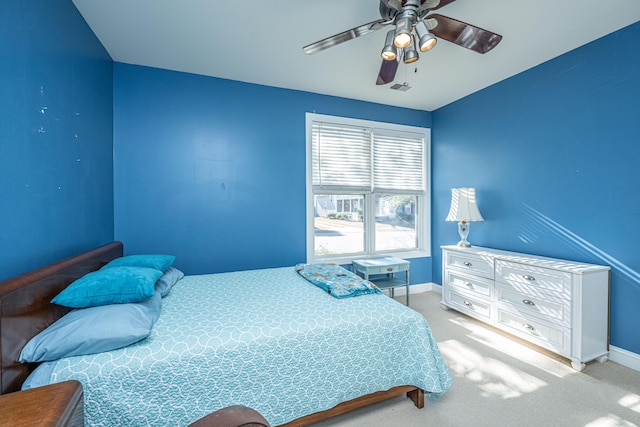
[
  {"x": 463, "y": 205},
  {"x": 402, "y": 36},
  {"x": 389, "y": 51}
]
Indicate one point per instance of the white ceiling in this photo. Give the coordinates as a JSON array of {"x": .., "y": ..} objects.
[{"x": 260, "y": 41}]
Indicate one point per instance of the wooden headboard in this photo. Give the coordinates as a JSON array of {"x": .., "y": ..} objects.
[{"x": 25, "y": 307}]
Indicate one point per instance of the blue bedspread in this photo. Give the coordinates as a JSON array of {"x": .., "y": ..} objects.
[
  {"x": 336, "y": 281},
  {"x": 264, "y": 339}
]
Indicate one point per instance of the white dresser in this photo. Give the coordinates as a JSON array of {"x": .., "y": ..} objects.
[{"x": 560, "y": 305}]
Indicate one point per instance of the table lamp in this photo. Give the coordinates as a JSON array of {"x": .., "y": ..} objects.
[{"x": 464, "y": 209}]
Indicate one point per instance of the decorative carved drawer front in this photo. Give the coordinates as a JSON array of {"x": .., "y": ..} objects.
[
  {"x": 545, "y": 278},
  {"x": 553, "y": 338},
  {"x": 475, "y": 264},
  {"x": 535, "y": 302},
  {"x": 473, "y": 307},
  {"x": 475, "y": 285}
]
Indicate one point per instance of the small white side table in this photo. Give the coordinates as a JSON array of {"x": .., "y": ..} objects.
[{"x": 387, "y": 267}]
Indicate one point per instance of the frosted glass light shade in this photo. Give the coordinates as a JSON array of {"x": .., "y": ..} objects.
[{"x": 464, "y": 206}]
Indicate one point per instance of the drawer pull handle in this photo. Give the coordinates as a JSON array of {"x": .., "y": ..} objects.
[
  {"x": 389, "y": 268},
  {"x": 528, "y": 302},
  {"x": 467, "y": 263},
  {"x": 468, "y": 304},
  {"x": 529, "y": 278},
  {"x": 527, "y": 326},
  {"x": 469, "y": 285}
]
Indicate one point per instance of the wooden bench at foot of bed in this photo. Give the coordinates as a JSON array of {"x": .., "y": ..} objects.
[{"x": 414, "y": 393}]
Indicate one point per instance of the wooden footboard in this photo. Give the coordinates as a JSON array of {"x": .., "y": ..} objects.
[
  {"x": 25, "y": 307},
  {"x": 414, "y": 393}
]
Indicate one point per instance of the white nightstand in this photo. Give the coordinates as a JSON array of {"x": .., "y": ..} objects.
[{"x": 386, "y": 268}]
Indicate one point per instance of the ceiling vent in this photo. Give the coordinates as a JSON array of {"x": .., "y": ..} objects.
[{"x": 403, "y": 87}]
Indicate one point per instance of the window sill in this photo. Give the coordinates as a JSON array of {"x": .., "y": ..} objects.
[{"x": 342, "y": 260}]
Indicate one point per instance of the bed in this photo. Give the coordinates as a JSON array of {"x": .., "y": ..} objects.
[{"x": 266, "y": 339}]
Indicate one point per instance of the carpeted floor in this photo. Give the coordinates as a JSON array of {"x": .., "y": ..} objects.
[{"x": 498, "y": 381}]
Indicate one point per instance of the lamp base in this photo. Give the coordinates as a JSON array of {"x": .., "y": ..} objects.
[
  {"x": 463, "y": 244},
  {"x": 463, "y": 231}
]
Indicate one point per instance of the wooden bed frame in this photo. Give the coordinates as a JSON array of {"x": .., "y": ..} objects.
[
  {"x": 25, "y": 310},
  {"x": 25, "y": 307}
]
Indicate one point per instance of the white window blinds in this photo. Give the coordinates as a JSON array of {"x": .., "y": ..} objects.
[
  {"x": 366, "y": 159},
  {"x": 398, "y": 162},
  {"x": 341, "y": 157}
]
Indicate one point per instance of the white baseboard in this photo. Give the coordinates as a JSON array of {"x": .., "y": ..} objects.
[
  {"x": 418, "y": 288},
  {"x": 624, "y": 357}
]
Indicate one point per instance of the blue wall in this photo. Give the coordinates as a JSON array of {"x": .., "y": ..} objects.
[
  {"x": 56, "y": 114},
  {"x": 554, "y": 155},
  {"x": 213, "y": 170}
]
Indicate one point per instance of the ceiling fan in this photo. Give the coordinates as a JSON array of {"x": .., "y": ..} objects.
[{"x": 414, "y": 28}]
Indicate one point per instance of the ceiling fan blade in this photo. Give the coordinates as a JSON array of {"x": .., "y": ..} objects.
[
  {"x": 345, "y": 36},
  {"x": 442, "y": 3},
  {"x": 387, "y": 72},
  {"x": 463, "y": 34}
]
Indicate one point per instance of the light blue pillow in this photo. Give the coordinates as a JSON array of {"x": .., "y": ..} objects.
[
  {"x": 168, "y": 279},
  {"x": 40, "y": 376},
  {"x": 117, "y": 285},
  {"x": 94, "y": 330},
  {"x": 159, "y": 262}
]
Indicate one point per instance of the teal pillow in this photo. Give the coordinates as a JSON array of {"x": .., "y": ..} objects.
[
  {"x": 159, "y": 262},
  {"x": 116, "y": 285}
]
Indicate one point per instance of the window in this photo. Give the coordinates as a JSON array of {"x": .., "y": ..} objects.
[{"x": 367, "y": 189}]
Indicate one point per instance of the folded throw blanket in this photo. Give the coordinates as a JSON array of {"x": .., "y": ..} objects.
[{"x": 337, "y": 281}]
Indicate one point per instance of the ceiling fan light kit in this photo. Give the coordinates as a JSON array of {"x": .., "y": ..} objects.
[
  {"x": 410, "y": 52},
  {"x": 409, "y": 17},
  {"x": 389, "y": 51},
  {"x": 404, "y": 25},
  {"x": 426, "y": 40}
]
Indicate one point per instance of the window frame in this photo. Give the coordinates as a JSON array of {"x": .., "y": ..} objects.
[{"x": 423, "y": 224}]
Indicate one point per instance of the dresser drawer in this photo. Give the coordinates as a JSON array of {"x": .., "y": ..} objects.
[
  {"x": 467, "y": 304},
  {"x": 536, "y": 303},
  {"x": 385, "y": 269},
  {"x": 377, "y": 266},
  {"x": 471, "y": 263},
  {"x": 474, "y": 284},
  {"x": 550, "y": 337},
  {"x": 544, "y": 278}
]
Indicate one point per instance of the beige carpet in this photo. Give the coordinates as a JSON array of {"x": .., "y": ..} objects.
[{"x": 500, "y": 382}]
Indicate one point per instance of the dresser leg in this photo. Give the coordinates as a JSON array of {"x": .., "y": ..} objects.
[
  {"x": 443, "y": 306},
  {"x": 577, "y": 365}
]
